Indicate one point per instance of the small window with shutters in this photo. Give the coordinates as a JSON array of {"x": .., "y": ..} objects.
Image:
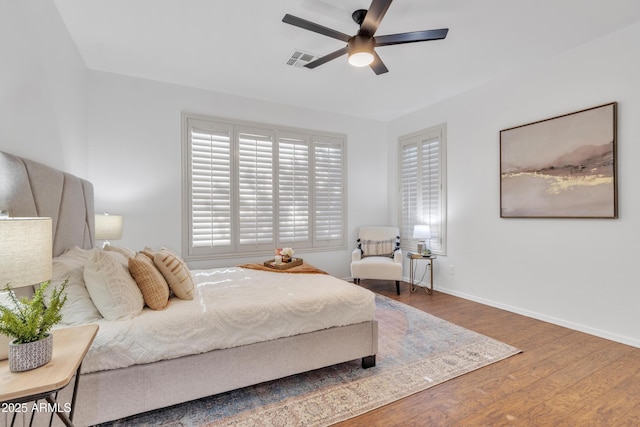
[
  {"x": 422, "y": 178},
  {"x": 250, "y": 188}
]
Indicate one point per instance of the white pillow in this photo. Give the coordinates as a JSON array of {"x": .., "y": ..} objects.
[
  {"x": 128, "y": 253},
  {"x": 79, "y": 308},
  {"x": 111, "y": 286}
]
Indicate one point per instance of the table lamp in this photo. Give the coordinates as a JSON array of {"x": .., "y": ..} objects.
[
  {"x": 423, "y": 233},
  {"x": 108, "y": 227},
  {"x": 25, "y": 258},
  {"x": 25, "y": 251}
]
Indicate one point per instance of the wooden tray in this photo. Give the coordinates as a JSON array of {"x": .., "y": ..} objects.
[{"x": 285, "y": 265}]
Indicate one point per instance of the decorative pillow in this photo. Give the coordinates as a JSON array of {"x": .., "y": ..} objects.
[
  {"x": 112, "y": 289},
  {"x": 79, "y": 309},
  {"x": 151, "y": 282},
  {"x": 124, "y": 251},
  {"x": 148, "y": 252},
  {"x": 176, "y": 272},
  {"x": 378, "y": 247}
]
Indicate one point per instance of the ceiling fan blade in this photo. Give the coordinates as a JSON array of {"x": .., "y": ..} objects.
[
  {"x": 327, "y": 58},
  {"x": 377, "y": 65},
  {"x": 374, "y": 16},
  {"x": 312, "y": 26},
  {"x": 416, "y": 36}
]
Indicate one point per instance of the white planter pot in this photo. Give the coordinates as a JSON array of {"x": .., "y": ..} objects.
[{"x": 24, "y": 357}]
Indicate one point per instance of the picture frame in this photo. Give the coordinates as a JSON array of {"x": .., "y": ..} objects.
[{"x": 561, "y": 167}]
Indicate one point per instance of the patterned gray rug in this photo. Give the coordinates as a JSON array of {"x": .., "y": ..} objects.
[{"x": 416, "y": 351}]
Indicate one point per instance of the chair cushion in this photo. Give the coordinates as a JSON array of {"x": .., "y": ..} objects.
[{"x": 373, "y": 267}]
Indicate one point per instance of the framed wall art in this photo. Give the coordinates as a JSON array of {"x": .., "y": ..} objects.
[{"x": 562, "y": 167}]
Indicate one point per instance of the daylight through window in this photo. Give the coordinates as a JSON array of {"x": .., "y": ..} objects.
[
  {"x": 250, "y": 188},
  {"x": 423, "y": 186}
]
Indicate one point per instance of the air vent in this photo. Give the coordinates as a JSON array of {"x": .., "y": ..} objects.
[{"x": 300, "y": 58}]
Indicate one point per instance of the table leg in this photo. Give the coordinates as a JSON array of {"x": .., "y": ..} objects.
[
  {"x": 411, "y": 276},
  {"x": 75, "y": 389},
  {"x": 414, "y": 287},
  {"x": 430, "y": 288},
  {"x": 66, "y": 420}
]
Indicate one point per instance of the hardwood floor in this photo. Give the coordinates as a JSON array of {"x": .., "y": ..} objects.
[{"x": 562, "y": 378}]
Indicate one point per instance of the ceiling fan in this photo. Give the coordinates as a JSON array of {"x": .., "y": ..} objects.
[{"x": 360, "y": 48}]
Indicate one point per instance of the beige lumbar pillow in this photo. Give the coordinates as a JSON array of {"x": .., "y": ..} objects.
[
  {"x": 176, "y": 272},
  {"x": 151, "y": 282}
]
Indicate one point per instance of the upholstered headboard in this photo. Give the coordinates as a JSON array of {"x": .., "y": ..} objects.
[{"x": 28, "y": 189}]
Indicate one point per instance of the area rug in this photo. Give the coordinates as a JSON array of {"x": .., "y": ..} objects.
[{"x": 416, "y": 351}]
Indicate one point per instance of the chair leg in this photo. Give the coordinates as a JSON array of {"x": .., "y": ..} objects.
[
  {"x": 398, "y": 287},
  {"x": 355, "y": 281}
]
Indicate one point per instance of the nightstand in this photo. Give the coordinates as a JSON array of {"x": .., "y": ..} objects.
[
  {"x": 17, "y": 389},
  {"x": 413, "y": 257}
]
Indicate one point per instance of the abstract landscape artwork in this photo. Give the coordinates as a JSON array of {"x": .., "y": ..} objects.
[{"x": 563, "y": 167}]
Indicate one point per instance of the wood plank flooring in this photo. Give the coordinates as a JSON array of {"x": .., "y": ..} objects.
[{"x": 562, "y": 378}]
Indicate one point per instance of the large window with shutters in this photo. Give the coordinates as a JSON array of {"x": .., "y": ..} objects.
[
  {"x": 422, "y": 178},
  {"x": 250, "y": 188}
]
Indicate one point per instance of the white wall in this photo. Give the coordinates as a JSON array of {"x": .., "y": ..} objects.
[
  {"x": 42, "y": 87},
  {"x": 135, "y": 158},
  {"x": 579, "y": 273}
]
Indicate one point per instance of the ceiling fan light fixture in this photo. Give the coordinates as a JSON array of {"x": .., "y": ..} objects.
[
  {"x": 360, "y": 51},
  {"x": 360, "y": 47},
  {"x": 360, "y": 59}
]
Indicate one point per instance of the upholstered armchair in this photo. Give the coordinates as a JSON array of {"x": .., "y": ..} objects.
[{"x": 378, "y": 255}]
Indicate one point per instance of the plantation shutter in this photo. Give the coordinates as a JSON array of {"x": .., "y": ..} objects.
[
  {"x": 409, "y": 190},
  {"x": 250, "y": 188},
  {"x": 329, "y": 194},
  {"x": 422, "y": 189},
  {"x": 210, "y": 171},
  {"x": 430, "y": 185},
  {"x": 255, "y": 189},
  {"x": 293, "y": 191}
]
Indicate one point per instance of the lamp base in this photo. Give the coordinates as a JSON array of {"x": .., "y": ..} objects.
[{"x": 423, "y": 249}]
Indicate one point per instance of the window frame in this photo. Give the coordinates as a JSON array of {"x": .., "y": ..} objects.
[
  {"x": 281, "y": 135},
  {"x": 419, "y": 139}
]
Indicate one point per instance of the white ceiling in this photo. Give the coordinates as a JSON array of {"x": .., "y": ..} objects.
[{"x": 241, "y": 47}]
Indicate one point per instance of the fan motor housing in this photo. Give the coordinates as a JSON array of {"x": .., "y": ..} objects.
[{"x": 360, "y": 44}]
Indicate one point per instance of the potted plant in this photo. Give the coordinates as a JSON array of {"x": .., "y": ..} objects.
[{"x": 28, "y": 322}]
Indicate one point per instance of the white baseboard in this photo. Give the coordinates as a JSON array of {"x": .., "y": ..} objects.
[{"x": 535, "y": 315}]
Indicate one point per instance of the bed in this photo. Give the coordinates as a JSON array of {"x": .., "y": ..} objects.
[{"x": 128, "y": 385}]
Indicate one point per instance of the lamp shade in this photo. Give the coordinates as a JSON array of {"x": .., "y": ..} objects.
[
  {"x": 421, "y": 232},
  {"x": 108, "y": 227},
  {"x": 25, "y": 251}
]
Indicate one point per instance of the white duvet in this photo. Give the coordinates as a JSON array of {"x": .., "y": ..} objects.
[{"x": 231, "y": 307}]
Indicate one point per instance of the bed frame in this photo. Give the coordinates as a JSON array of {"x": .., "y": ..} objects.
[{"x": 28, "y": 188}]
